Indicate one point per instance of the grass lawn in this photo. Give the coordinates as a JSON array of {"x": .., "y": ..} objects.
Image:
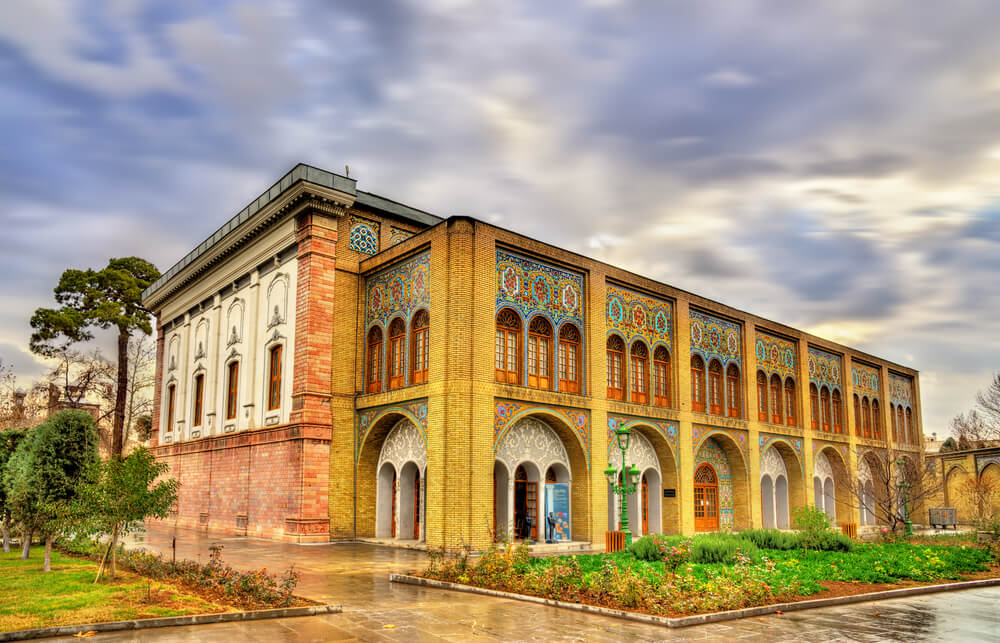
[{"x": 31, "y": 598}]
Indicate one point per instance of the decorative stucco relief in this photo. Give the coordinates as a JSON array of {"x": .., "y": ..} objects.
[{"x": 532, "y": 440}]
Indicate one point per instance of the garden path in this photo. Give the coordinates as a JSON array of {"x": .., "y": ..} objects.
[{"x": 356, "y": 576}]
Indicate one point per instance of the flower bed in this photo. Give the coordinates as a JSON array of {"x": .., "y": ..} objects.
[{"x": 708, "y": 573}]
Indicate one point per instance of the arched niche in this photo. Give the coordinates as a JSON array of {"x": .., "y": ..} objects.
[
  {"x": 404, "y": 454},
  {"x": 641, "y": 503}
]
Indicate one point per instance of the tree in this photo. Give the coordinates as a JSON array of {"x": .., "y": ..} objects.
[
  {"x": 9, "y": 441},
  {"x": 949, "y": 445},
  {"x": 50, "y": 466},
  {"x": 900, "y": 483},
  {"x": 980, "y": 426},
  {"x": 107, "y": 298},
  {"x": 980, "y": 495},
  {"x": 124, "y": 494}
]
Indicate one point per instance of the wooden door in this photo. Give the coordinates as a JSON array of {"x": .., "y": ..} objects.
[
  {"x": 645, "y": 506},
  {"x": 416, "y": 506},
  {"x": 531, "y": 504},
  {"x": 706, "y": 499}
]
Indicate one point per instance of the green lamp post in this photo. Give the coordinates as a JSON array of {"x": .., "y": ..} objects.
[
  {"x": 628, "y": 480},
  {"x": 904, "y": 492}
]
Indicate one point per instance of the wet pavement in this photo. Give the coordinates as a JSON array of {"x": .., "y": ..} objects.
[{"x": 355, "y": 575}]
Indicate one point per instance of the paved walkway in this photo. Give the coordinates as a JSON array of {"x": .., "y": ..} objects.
[{"x": 356, "y": 576}]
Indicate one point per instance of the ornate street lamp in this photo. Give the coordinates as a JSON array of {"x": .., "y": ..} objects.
[
  {"x": 904, "y": 492},
  {"x": 628, "y": 481}
]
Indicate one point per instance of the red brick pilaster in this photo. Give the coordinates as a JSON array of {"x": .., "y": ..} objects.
[
  {"x": 312, "y": 369},
  {"x": 154, "y": 436}
]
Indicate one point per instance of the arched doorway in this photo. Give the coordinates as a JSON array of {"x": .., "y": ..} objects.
[
  {"x": 644, "y": 512},
  {"x": 824, "y": 488},
  {"x": 401, "y": 484},
  {"x": 866, "y": 493},
  {"x": 723, "y": 453},
  {"x": 533, "y": 451},
  {"x": 706, "y": 498},
  {"x": 956, "y": 494},
  {"x": 774, "y": 489}
]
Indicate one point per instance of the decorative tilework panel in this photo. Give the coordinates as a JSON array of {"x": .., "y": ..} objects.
[
  {"x": 400, "y": 288},
  {"x": 713, "y": 454},
  {"x": 639, "y": 316},
  {"x": 900, "y": 390},
  {"x": 840, "y": 448},
  {"x": 984, "y": 461},
  {"x": 738, "y": 436},
  {"x": 768, "y": 439},
  {"x": 363, "y": 235},
  {"x": 415, "y": 410},
  {"x": 666, "y": 429},
  {"x": 865, "y": 380},
  {"x": 776, "y": 355},
  {"x": 397, "y": 235},
  {"x": 509, "y": 411},
  {"x": 824, "y": 368},
  {"x": 531, "y": 286},
  {"x": 714, "y": 337}
]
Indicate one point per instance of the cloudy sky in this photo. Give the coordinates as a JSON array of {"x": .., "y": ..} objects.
[{"x": 833, "y": 167}]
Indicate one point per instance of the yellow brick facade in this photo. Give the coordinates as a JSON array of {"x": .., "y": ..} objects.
[{"x": 450, "y": 500}]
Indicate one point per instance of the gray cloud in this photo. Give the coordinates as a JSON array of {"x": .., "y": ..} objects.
[{"x": 831, "y": 165}]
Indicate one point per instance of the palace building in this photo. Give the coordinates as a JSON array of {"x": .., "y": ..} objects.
[{"x": 332, "y": 364}]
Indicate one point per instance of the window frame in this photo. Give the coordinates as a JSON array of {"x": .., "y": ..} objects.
[
  {"x": 396, "y": 367},
  {"x": 826, "y": 410},
  {"x": 734, "y": 392},
  {"x": 698, "y": 383},
  {"x": 569, "y": 358},
  {"x": 638, "y": 375},
  {"x": 661, "y": 377},
  {"x": 776, "y": 409},
  {"x": 876, "y": 426},
  {"x": 539, "y": 355},
  {"x": 716, "y": 390},
  {"x": 616, "y": 367},
  {"x": 171, "y": 404},
  {"x": 198, "y": 401},
  {"x": 419, "y": 343},
  {"x": 763, "y": 406},
  {"x": 506, "y": 336},
  {"x": 790, "y": 415},
  {"x": 232, "y": 389},
  {"x": 274, "y": 375}
]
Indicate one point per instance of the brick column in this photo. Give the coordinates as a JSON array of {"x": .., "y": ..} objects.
[
  {"x": 154, "y": 436},
  {"x": 313, "y": 365}
]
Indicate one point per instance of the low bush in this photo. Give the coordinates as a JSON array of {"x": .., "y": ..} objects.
[
  {"x": 722, "y": 548},
  {"x": 772, "y": 539},
  {"x": 672, "y": 551},
  {"x": 250, "y": 590}
]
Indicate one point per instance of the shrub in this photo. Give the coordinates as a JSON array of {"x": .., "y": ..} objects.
[
  {"x": 833, "y": 541},
  {"x": 646, "y": 548},
  {"x": 771, "y": 539},
  {"x": 722, "y": 548},
  {"x": 812, "y": 524}
]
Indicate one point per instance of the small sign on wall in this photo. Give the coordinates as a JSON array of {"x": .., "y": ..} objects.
[{"x": 669, "y": 493}]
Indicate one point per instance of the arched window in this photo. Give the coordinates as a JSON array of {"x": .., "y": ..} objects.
[
  {"x": 761, "y": 396},
  {"x": 789, "y": 401},
  {"x": 397, "y": 342},
  {"x": 274, "y": 375},
  {"x": 171, "y": 400},
  {"x": 374, "y": 364},
  {"x": 508, "y": 347},
  {"x": 895, "y": 426},
  {"x": 902, "y": 423},
  {"x": 639, "y": 372},
  {"x": 838, "y": 413},
  {"x": 569, "y": 359},
  {"x": 734, "y": 395},
  {"x": 661, "y": 377},
  {"x": 866, "y": 417},
  {"x": 911, "y": 437},
  {"x": 539, "y": 353},
  {"x": 876, "y": 429},
  {"x": 814, "y": 406},
  {"x": 697, "y": 383},
  {"x": 857, "y": 415},
  {"x": 616, "y": 368},
  {"x": 232, "y": 389},
  {"x": 420, "y": 356},
  {"x": 715, "y": 387},
  {"x": 199, "y": 399},
  {"x": 776, "y": 410},
  {"x": 824, "y": 396}
]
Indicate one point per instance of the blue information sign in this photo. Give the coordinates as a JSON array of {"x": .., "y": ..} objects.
[{"x": 556, "y": 519}]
